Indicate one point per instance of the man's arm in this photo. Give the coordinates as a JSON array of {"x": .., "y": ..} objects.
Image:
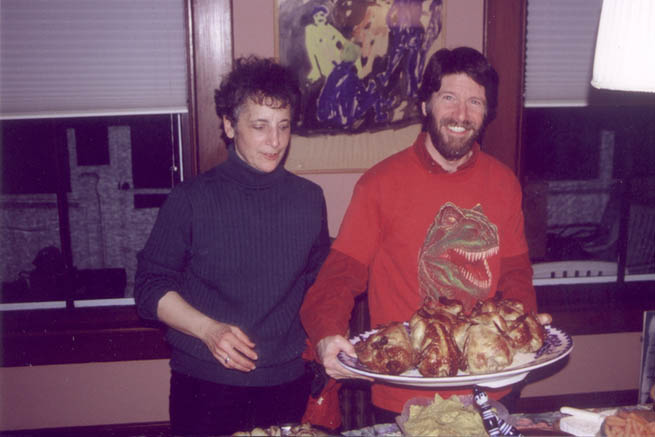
[
  {"x": 516, "y": 283},
  {"x": 328, "y": 305},
  {"x": 326, "y": 310},
  {"x": 515, "y": 280},
  {"x": 329, "y": 302}
]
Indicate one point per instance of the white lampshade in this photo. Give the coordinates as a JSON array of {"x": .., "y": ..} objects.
[{"x": 625, "y": 47}]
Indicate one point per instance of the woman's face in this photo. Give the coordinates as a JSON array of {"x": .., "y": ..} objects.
[{"x": 261, "y": 135}]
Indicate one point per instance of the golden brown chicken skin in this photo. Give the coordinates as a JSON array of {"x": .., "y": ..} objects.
[{"x": 388, "y": 351}]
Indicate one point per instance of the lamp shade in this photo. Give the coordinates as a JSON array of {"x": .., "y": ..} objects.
[{"x": 625, "y": 46}]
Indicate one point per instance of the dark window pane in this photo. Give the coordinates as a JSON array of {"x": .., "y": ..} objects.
[
  {"x": 117, "y": 172},
  {"x": 34, "y": 157},
  {"x": 151, "y": 163},
  {"x": 561, "y": 144},
  {"x": 92, "y": 142},
  {"x": 587, "y": 172}
]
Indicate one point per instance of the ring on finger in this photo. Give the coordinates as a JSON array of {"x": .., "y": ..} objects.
[{"x": 226, "y": 359}]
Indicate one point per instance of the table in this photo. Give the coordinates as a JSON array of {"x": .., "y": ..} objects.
[{"x": 537, "y": 424}]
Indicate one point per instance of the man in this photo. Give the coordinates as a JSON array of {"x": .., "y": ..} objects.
[
  {"x": 394, "y": 239},
  {"x": 228, "y": 262}
]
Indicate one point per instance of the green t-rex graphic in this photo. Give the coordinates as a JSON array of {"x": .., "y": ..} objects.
[{"x": 453, "y": 259}]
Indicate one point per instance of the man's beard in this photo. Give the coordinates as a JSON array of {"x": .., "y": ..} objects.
[{"x": 451, "y": 150}]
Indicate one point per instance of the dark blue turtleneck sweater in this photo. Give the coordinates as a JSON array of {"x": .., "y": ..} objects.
[{"x": 242, "y": 247}]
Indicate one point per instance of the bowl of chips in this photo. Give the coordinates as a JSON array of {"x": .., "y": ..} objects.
[{"x": 455, "y": 416}]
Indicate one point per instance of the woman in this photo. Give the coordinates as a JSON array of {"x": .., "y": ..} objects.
[{"x": 228, "y": 262}]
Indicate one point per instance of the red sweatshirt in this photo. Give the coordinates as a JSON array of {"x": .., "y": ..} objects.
[{"x": 412, "y": 230}]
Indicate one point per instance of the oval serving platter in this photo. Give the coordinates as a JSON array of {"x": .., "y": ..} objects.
[{"x": 557, "y": 345}]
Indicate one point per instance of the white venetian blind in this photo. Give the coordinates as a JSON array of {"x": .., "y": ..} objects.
[
  {"x": 560, "y": 43},
  {"x": 65, "y": 58}
]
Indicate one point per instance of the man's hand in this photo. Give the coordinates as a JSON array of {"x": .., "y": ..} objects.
[
  {"x": 328, "y": 349},
  {"x": 229, "y": 345}
]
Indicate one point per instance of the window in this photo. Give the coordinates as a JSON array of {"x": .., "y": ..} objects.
[
  {"x": 587, "y": 169},
  {"x": 79, "y": 197},
  {"x": 134, "y": 80},
  {"x": 93, "y": 98},
  {"x": 588, "y": 158}
]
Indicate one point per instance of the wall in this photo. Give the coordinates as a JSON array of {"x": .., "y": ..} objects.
[
  {"x": 137, "y": 391},
  {"x": 84, "y": 394},
  {"x": 597, "y": 363}
]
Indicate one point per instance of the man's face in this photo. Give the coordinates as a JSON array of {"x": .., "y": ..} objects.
[
  {"x": 455, "y": 116},
  {"x": 261, "y": 135}
]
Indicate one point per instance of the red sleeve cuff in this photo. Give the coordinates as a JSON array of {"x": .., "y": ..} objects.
[{"x": 328, "y": 304}]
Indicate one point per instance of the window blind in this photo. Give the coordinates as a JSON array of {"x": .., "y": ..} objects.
[
  {"x": 560, "y": 44},
  {"x": 68, "y": 58}
]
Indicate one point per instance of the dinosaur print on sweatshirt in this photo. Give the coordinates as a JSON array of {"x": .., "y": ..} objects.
[{"x": 453, "y": 259}]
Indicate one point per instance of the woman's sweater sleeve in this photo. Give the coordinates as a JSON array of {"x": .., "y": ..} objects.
[{"x": 161, "y": 263}]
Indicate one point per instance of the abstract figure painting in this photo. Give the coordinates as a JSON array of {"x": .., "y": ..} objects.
[{"x": 359, "y": 62}]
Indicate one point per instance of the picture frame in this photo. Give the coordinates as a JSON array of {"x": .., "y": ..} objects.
[{"x": 359, "y": 63}]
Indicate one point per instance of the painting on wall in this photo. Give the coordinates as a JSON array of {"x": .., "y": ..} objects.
[{"x": 359, "y": 62}]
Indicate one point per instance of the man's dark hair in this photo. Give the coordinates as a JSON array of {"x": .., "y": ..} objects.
[
  {"x": 262, "y": 80},
  {"x": 461, "y": 60}
]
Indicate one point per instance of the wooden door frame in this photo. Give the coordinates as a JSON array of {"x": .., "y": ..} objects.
[
  {"x": 504, "y": 46},
  {"x": 209, "y": 57}
]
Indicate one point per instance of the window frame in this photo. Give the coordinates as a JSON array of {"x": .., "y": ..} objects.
[{"x": 112, "y": 330}]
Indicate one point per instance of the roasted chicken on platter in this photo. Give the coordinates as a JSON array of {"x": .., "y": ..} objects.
[
  {"x": 441, "y": 339},
  {"x": 431, "y": 329},
  {"x": 388, "y": 351}
]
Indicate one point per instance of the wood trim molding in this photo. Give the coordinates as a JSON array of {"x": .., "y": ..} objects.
[
  {"x": 210, "y": 51},
  {"x": 504, "y": 46},
  {"x": 81, "y": 335}
]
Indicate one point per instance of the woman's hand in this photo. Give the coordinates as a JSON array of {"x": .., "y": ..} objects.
[
  {"x": 229, "y": 345},
  {"x": 328, "y": 349}
]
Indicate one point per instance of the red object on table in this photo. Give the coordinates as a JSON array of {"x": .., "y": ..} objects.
[{"x": 323, "y": 410}]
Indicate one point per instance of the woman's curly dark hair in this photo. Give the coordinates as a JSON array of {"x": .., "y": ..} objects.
[{"x": 262, "y": 80}]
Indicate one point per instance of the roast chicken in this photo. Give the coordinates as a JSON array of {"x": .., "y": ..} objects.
[
  {"x": 442, "y": 339},
  {"x": 432, "y": 328},
  {"x": 486, "y": 349},
  {"x": 499, "y": 328},
  {"x": 388, "y": 351}
]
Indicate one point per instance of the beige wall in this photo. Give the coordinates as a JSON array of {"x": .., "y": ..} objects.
[
  {"x": 137, "y": 391},
  {"x": 84, "y": 394},
  {"x": 597, "y": 363}
]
